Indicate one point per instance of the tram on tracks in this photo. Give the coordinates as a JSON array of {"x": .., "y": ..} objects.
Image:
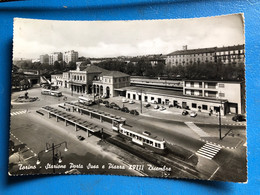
[{"x": 144, "y": 138}]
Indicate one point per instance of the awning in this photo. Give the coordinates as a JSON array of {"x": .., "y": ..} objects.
[
  {"x": 78, "y": 84},
  {"x": 120, "y": 89}
]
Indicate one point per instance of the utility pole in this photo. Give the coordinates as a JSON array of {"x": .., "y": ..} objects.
[
  {"x": 53, "y": 160},
  {"x": 220, "y": 137}
]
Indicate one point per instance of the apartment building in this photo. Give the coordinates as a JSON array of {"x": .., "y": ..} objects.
[
  {"x": 233, "y": 55},
  {"x": 70, "y": 56},
  {"x": 56, "y": 56}
]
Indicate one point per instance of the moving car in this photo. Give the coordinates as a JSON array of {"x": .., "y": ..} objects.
[
  {"x": 125, "y": 109},
  {"x": 239, "y": 117},
  {"x": 56, "y": 93},
  {"x": 46, "y": 92},
  {"x": 131, "y": 102},
  {"x": 124, "y": 100},
  {"x": 185, "y": 112},
  {"x": 134, "y": 112},
  {"x": 147, "y": 105},
  {"x": 193, "y": 114},
  {"x": 80, "y": 138},
  {"x": 156, "y": 107}
]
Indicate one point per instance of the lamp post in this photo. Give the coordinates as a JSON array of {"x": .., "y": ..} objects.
[{"x": 55, "y": 156}]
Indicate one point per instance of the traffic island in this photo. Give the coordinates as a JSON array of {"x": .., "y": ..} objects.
[{"x": 227, "y": 142}]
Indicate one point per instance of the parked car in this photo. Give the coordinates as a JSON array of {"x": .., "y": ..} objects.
[
  {"x": 80, "y": 138},
  {"x": 107, "y": 105},
  {"x": 147, "y": 105},
  {"x": 113, "y": 104},
  {"x": 105, "y": 102},
  {"x": 124, "y": 100},
  {"x": 147, "y": 133},
  {"x": 239, "y": 117},
  {"x": 162, "y": 108},
  {"x": 131, "y": 102},
  {"x": 170, "y": 105},
  {"x": 185, "y": 112},
  {"x": 125, "y": 109},
  {"x": 116, "y": 107},
  {"x": 156, "y": 107},
  {"x": 193, "y": 114},
  {"x": 134, "y": 112}
]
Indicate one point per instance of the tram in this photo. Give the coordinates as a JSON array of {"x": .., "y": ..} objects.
[{"x": 141, "y": 138}]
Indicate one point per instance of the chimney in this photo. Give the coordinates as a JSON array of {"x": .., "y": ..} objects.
[{"x": 185, "y": 47}]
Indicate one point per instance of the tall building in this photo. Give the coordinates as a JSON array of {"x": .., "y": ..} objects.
[
  {"x": 70, "y": 56},
  {"x": 56, "y": 56},
  {"x": 227, "y": 55},
  {"x": 44, "y": 59}
]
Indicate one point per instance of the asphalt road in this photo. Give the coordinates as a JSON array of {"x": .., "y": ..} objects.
[{"x": 228, "y": 164}]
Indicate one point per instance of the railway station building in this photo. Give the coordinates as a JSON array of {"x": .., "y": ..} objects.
[
  {"x": 202, "y": 96},
  {"x": 88, "y": 79}
]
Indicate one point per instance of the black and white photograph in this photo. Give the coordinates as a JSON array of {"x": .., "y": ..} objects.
[{"x": 153, "y": 98}]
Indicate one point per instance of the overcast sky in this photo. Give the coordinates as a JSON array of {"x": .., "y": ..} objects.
[{"x": 115, "y": 38}]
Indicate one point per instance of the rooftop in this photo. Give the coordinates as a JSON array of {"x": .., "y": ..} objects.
[
  {"x": 114, "y": 74},
  {"x": 206, "y": 50}
]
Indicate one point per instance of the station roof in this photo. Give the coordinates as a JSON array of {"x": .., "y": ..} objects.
[{"x": 114, "y": 74}]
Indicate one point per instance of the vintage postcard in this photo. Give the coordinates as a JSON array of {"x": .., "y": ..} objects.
[{"x": 155, "y": 98}]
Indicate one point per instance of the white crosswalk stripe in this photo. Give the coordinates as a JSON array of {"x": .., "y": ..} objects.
[
  {"x": 196, "y": 129},
  {"x": 18, "y": 112},
  {"x": 208, "y": 150}
]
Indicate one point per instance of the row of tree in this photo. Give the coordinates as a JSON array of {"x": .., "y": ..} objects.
[{"x": 143, "y": 67}]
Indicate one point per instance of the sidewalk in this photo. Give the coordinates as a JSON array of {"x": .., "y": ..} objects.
[{"x": 175, "y": 114}]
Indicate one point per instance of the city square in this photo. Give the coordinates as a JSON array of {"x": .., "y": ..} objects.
[{"x": 165, "y": 115}]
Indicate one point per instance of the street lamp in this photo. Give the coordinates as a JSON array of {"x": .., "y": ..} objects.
[{"x": 55, "y": 156}]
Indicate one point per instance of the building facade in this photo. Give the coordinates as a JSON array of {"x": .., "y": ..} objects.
[
  {"x": 202, "y": 96},
  {"x": 233, "y": 55},
  {"x": 109, "y": 83},
  {"x": 70, "y": 56},
  {"x": 44, "y": 59},
  {"x": 88, "y": 79},
  {"x": 231, "y": 91},
  {"x": 56, "y": 56}
]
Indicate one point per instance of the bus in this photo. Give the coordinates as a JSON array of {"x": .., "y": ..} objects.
[{"x": 85, "y": 101}]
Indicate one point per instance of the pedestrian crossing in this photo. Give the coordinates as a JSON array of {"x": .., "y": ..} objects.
[
  {"x": 208, "y": 150},
  {"x": 18, "y": 112},
  {"x": 196, "y": 129}
]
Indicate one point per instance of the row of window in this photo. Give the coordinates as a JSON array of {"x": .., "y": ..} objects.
[
  {"x": 175, "y": 102},
  {"x": 78, "y": 78},
  {"x": 204, "y": 107},
  {"x": 146, "y": 141},
  {"x": 207, "y": 85}
]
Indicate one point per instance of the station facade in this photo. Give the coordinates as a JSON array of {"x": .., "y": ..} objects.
[
  {"x": 200, "y": 96},
  {"x": 88, "y": 79}
]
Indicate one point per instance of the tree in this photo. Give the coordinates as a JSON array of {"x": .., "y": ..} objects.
[{"x": 57, "y": 66}]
